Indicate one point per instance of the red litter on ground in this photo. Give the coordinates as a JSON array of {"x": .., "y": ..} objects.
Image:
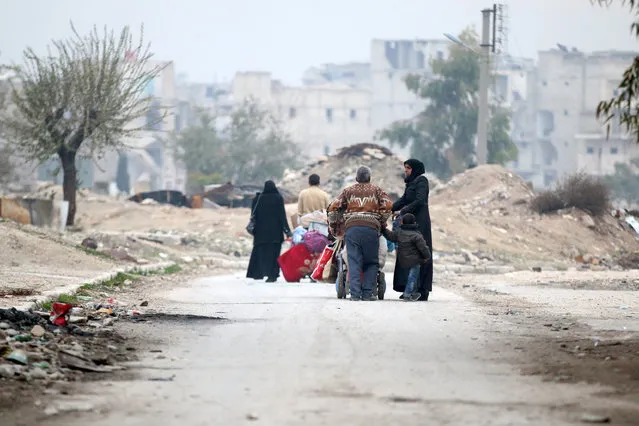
[{"x": 60, "y": 313}]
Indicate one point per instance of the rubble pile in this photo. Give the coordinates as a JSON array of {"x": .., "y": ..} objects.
[
  {"x": 629, "y": 260},
  {"x": 338, "y": 171},
  {"x": 33, "y": 348},
  {"x": 487, "y": 190},
  {"x": 488, "y": 208}
]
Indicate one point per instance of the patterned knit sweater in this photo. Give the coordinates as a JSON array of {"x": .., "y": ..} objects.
[{"x": 362, "y": 204}]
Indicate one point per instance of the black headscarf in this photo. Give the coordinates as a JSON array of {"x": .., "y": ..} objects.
[
  {"x": 270, "y": 188},
  {"x": 418, "y": 169}
]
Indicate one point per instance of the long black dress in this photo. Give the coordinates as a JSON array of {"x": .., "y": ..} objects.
[
  {"x": 270, "y": 227},
  {"x": 415, "y": 201}
]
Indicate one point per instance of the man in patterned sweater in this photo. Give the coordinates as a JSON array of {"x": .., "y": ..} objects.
[{"x": 365, "y": 207}]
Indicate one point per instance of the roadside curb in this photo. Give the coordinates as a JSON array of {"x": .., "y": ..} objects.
[{"x": 48, "y": 296}]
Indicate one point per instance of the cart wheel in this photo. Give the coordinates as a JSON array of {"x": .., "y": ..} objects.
[
  {"x": 341, "y": 286},
  {"x": 381, "y": 286}
]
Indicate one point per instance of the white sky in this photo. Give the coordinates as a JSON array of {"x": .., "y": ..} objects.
[{"x": 212, "y": 39}]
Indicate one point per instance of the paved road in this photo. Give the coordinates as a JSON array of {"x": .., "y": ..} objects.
[{"x": 295, "y": 355}]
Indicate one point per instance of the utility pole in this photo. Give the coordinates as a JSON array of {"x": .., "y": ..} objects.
[{"x": 484, "y": 84}]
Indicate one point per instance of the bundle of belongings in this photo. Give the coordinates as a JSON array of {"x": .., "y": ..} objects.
[
  {"x": 312, "y": 231},
  {"x": 310, "y": 239}
]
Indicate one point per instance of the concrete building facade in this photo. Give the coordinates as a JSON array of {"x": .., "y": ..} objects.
[
  {"x": 351, "y": 73},
  {"x": 320, "y": 118},
  {"x": 151, "y": 164},
  {"x": 561, "y": 134}
]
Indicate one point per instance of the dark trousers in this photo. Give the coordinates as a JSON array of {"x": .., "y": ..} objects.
[{"x": 362, "y": 248}]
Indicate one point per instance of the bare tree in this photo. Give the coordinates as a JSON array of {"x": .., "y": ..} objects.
[{"x": 79, "y": 99}]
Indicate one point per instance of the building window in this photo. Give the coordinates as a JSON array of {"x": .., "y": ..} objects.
[
  {"x": 590, "y": 150},
  {"x": 353, "y": 114},
  {"x": 544, "y": 83},
  {"x": 210, "y": 92},
  {"x": 440, "y": 55},
  {"x": 614, "y": 150},
  {"x": 329, "y": 115},
  {"x": 154, "y": 116},
  {"x": 566, "y": 112},
  {"x": 292, "y": 112}
]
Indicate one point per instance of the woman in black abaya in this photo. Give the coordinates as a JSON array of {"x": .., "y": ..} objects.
[
  {"x": 415, "y": 201},
  {"x": 270, "y": 227}
]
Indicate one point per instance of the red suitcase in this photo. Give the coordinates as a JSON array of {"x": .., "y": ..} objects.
[{"x": 296, "y": 263}]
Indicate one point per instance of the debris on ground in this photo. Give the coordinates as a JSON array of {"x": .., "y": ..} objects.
[
  {"x": 229, "y": 195},
  {"x": 60, "y": 344},
  {"x": 338, "y": 171},
  {"x": 174, "y": 198},
  {"x": 629, "y": 260},
  {"x": 89, "y": 243},
  {"x": 487, "y": 208}
]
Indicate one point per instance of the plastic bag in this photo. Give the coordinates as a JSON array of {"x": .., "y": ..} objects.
[
  {"x": 315, "y": 242},
  {"x": 325, "y": 259},
  {"x": 60, "y": 313},
  {"x": 298, "y": 235}
]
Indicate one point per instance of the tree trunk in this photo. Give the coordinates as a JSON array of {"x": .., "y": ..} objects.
[{"x": 69, "y": 181}]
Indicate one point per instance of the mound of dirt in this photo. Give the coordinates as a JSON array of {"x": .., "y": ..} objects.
[
  {"x": 33, "y": 261},
  {"x": 487, "y": 208},
  {"x": 482, "y": 186},
  {"x": 338, "y": 171},
  {"x": 32, "y": 250}
]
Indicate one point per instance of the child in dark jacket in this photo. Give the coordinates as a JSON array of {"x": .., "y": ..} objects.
[{"x": 412, "y": 251}]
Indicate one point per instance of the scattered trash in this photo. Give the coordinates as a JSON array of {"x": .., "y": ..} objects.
[
  {"x": 18, "y": 318},
  {"x": 78, "y": 362},
  {"x": 18, "y": 356},
  {"x": 60, "y": 313},
  {"x": 22, "y": 338}
]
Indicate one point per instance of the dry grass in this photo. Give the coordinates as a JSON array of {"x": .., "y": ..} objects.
[
  {"x": 581, "y": 191},
  {"x": 547, "y": 202}
]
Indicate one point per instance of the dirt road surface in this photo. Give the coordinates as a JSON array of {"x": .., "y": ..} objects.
[{"x": 292, "y": 354}]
